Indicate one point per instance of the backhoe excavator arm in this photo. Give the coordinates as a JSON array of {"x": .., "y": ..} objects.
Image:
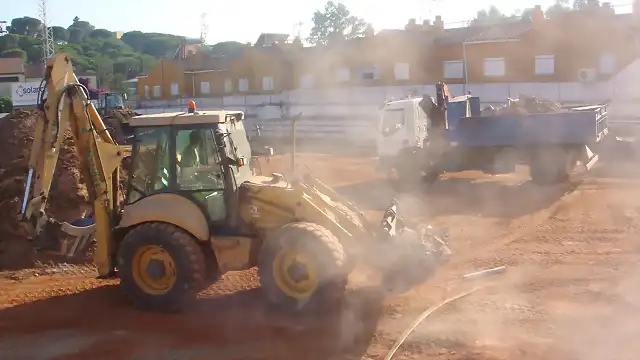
[{"x": 67, "y": 107}]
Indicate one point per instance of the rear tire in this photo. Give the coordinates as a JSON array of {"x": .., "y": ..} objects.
[
  {"x": 182, "y": 264},
  {"x": 323, "y": 255},
  {"x": 549, "y": 166}
]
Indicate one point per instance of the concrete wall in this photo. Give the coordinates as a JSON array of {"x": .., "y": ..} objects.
[{"x": 351, "y": 114}]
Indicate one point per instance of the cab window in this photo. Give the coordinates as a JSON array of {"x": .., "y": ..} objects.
[
  {"x": 199, "y": 170},
  {"x": 392, "y": 121},
  {"x": 198, "y": 162},
  {"x": 150, "y": 162}
]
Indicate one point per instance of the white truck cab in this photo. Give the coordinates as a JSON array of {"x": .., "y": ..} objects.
[{"x": 402, "y": 126}]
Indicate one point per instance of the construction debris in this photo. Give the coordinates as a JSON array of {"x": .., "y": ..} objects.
[
  {"x": 68, "y": 193},
  {"x": 524, "y": 105}
]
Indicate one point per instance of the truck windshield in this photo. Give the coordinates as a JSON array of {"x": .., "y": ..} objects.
[
  {"x": 113, "y": 101},
  {"x": 392, "y": 121}
]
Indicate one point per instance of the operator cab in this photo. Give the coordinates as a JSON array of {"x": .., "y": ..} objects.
[{"x": 200, "y": 155}]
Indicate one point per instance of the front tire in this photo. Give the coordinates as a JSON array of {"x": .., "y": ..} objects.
[
  {"x": 160, "y": 266},
  {"x": 303, "y": 268}
]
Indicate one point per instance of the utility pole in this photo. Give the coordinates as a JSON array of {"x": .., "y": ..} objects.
[{"x": 48, "y": 46}]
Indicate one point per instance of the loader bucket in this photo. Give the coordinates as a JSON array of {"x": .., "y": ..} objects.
[{"x": 406, "y": 254}]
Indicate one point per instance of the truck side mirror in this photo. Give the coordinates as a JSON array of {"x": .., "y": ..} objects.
[{"x": 124, "y": 96}]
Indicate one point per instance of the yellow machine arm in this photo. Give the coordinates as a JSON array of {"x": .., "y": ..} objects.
[{"x": 67, "y": 107}]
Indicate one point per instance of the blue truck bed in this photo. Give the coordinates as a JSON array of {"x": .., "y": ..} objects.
[{"x": 583, "y": 125}]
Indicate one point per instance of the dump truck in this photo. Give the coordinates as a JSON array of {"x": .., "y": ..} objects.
[
  {"x": 421, "y": 138},
  {"x": 110, "y": 106},
  {"x": 192, "y": 209}
]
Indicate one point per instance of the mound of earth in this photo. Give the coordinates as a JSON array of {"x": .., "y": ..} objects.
[{"x": 68, "y": 196}]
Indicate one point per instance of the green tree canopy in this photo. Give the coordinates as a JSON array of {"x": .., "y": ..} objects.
[
  {"x": 490, "y": 16},
  {"x": 26, "y": 26},
  {"x": 336, "y": 23},
  {"x": 14, "y": 53},
  {"x": 60, "y": 34}
]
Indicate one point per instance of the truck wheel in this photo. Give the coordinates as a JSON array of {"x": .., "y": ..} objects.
[
  {"x": 160, "y": 267},
  {"x": 549, "y": 166},
  {"x": 303, "y": 267}
]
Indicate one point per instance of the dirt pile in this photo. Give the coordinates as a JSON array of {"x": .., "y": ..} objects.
[
  {"x": 123, "y": 114},
  {"x": 524, "y": 105},
  {"x": 68, "y": 194}
]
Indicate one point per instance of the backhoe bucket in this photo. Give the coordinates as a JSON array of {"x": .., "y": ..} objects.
[
  {"x": 69, "y": 240},
  {"x": 409, "y": 256}
]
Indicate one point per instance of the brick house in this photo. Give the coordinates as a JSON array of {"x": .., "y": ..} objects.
[
  {"x": 391, "y": 57},
  {"x": 263, "y": 68},
  {"x": 576, "y": 46}
]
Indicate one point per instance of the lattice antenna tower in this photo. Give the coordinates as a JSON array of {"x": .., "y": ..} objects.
[
  {"x": 204, "y": 28},
  {"x": 48, "y": 46}
]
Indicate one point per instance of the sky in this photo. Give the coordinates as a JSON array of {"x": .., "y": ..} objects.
[{"x": 245, "y": 20}]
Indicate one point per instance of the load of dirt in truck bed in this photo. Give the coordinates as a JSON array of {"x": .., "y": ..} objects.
[
  {"x": 123, "y": 114},
  {"x": 524, "y": 105},
  {"x": 68, "y": 193}
]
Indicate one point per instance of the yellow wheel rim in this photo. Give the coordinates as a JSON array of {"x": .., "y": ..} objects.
[
  {"x": 295, "y": 273},
  {"x": 154, "y": 270}
]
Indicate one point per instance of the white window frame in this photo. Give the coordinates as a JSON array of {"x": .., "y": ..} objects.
[
  {"x": 205, "y": 87},
  {"x": 175, "y": 89},
  {"x": 157, "y": 91},
  {"x": 607, "y": 63},
  {"x": 228, "y": 85},
  {"x": 306, "y": 81},
  {"x": 147, "y": 92},
  {"x": 498, "y": 63},
  {"x": 268, "y": 84},
  {"x": 243, "y": 85},
  {"x": 343, "y": 75},
  {"x": 545, "y": 65},
  {"x": 402, "y": 71},
  {"x": 453, "y": 69}
]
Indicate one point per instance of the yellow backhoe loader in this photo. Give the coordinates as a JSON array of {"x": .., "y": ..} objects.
[{"x": 193, "y": 209}]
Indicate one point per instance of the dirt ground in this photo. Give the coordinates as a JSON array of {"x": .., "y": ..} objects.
[{"x": 569, "y": 291}]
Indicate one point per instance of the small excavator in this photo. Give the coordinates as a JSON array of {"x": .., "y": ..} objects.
[{"x": 192, "y": 209}]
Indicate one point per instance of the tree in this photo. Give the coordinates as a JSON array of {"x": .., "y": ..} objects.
[
  {"x": 579, "y": 4},
  {"x": 491, "y": 16},
  {"x": 93, "y": 51},
  {"x": 32, "y": 47},
  {"x": 230, "y": 49},
  {"x": 559, "y": 7},
  {"x": 9, "y": 41},
  {"x": 6, "y": 105},
  {"x": 101, "y": 33},
  {"x": 14, "y": 53},
  {"x": 335, "y": 23},
  {"x": 26, "y": 26},
  {"x": 135, "y": 39},
  {"x": 82, "y": 25},
  {"x": 76, "y": 35},
  {"x": 60, "y": 33}
]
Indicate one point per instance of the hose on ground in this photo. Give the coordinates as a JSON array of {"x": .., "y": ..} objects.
[
  {"x": 423, "y": 316},
  {"x": 431, "y": 310}
]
